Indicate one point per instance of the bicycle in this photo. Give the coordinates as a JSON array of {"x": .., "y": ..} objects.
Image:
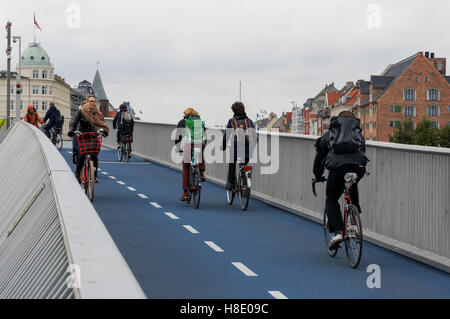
[
  {"x": 124, "y": 148},
  {"x": 56, "y": 137},
  {"x": 242, "y": 186},
  {"x": 89, "y": 144},
  {"x": 353, "y": 235},
  {"x": 195, "y": 184}
]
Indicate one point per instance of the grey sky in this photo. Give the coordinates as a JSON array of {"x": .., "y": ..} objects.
[{"x": 166, "y": 55}]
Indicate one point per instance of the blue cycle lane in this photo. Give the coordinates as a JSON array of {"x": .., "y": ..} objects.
[{"x": 219, "y": 251}]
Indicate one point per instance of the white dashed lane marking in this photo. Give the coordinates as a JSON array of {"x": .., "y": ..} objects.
[
  {"x": 121, "y": 183},
  {"x": 112, "y": 177},
  {"x": 214, "y": 246},
  {"x": 191, "y": 229},
  {"x": 171, "y": 215},
  {"x": 244, "y": 269},
  {"x": 131, "y": 189},
  {"x": 142, "y": 196},
  {"x": 105, "y": 173},
  {"x": 277, "y": 294},
  {"x": 155, "y": 205}
]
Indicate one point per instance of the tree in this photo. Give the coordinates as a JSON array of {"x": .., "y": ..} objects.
[
  {"x": 444, "y": 136},
  {"x": 426, "y": 134},
  {"x": 404, "y": 134}
]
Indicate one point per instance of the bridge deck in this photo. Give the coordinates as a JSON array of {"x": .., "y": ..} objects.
[{"x": 278, "y": 250}]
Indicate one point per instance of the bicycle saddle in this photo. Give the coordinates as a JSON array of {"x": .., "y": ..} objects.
[{"x": 351, "y": 177}]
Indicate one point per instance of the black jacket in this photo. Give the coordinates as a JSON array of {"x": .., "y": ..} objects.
[
  {"x": 118, "y": 119},
  {"x": 52, "y": 114},
  {"x": 325, "y": 158},
  {"x": 252, "y": 133},
  {"x": 82, "y": 123}
]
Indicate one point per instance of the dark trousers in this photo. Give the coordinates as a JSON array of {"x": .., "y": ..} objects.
[
  {"x": 187, "y": 163},
  {"x": 47, "y": 127},
  {"x": 335, "y": 188},
  {"x": 231, "y": 180}
]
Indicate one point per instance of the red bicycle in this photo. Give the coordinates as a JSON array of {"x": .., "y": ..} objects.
[{"x": 89, "y": 144}]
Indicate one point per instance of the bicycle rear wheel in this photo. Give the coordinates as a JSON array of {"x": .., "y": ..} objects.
[
  {"x": 91, "y": 181},
  {"x": 127, "y": 151},
  {"x": 198, "y": 189},
  {"x": 120, "y": 152},
  {"x": 59, "y": 142},
  {"x": 244, "y": 191},
  {"x": 327, "y": 235},
  {"x": 353, "y": 236}
]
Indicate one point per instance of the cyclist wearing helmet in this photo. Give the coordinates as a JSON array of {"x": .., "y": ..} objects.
[
  {"x": 123, "y": 122},
  {"x": 341, "y": 150},
  {"x": 88, "y": 119},
  {"x": 192, "y": 129},
  {"x": 52, "y": 115}
]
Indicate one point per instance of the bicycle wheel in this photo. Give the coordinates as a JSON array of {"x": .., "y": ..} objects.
[
  {"x": 198, "y": 189},
  {"x": 91, "y": 181},
  {"x": 353, "y": 236},
  {"x": 120, "y": 152},
  {"x": 244, "y": 191},
  {"x": 127, "y": 151},
  {"x": 327, "y": 235},
  {"x": 59, "y": 142},
  {"x": 84, "y": 178}
]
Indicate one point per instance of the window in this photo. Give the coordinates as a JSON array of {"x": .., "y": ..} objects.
[
  {"x": 433, "y": 110},
  {"x": 409, "y": 94},
  {"x": 374, "y": 124},
  {"x": 413, "y": 125},
  {"x": 50, "y": 91},
  {"x": 44, "y": 90},
  {"x": 11, "y": 105},
  {"x": 36, "y": 104},
  {"x": 426, "y": 79},
  {"x": 398, "y": 108},
  {"x": 11, "y": 89},
  {"x": 374, "y": 109},
  {"x": 433, "y": 95},
  {"x": 391, "y": 108},
  {"x": 409, "y": 111},
  {"x": 391, "y": 123},
  {"x": 435, "y": 125},
  {"x": 35, "y": 74},
  {"x": 449, "y": 108},
  {"x": 35, "y": 89},
  {"x": 44, "y": 106},
  {"x": 416, "y": 79}
]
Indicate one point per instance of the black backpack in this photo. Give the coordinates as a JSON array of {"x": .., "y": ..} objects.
[
  {"x": 345, "y": 136},
  {"x": 59, "y": 122}
]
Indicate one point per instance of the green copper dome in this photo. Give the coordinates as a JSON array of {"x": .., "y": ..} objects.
[{"x": 34, "y": 55}]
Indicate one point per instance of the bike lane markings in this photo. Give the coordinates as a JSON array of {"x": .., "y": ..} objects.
[
  {"x": 277, "y": 294},
  {"x": 131, "y": 189},
  {"x": 191, "y": 229},
  {"x": 112, "y": 177},
  {"x": 142, "y": 196},
  {"x": 121, "y": 183},
  {"x": 105, "y": 173},
  {"x": 244, "y": 269},
  {"x": 171, "y": 215},
  {"x": 156, "y": 205},
  {"x": 214, "y": 246}
]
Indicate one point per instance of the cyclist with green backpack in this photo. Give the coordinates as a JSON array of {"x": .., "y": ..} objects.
[{"x": 192, "y": 129}]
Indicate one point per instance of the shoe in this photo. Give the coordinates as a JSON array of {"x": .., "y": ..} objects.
[
  {"x": 335, "y": 241},
  {"x": 118, "y": 146},
  {"x": 202, "y": 176},
  {"x": 185, "y": 197}
]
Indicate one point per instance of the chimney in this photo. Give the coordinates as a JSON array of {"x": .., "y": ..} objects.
[
  {"x": 427, "y": 54},
  {"x": 432, "y": 55}
]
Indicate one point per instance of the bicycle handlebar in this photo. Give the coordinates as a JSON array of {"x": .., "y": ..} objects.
[{"x": 314, "y": 181}]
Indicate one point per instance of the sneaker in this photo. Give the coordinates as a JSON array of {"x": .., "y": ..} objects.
[
  {"x": 185, "y": 196},
  {"x": 202, "y": 176},
  {"x": 335, "y": 241}
]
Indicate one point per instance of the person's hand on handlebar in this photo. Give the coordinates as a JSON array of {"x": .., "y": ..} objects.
[
  {"x": 103, "y": 132},
  {"x": 320, "y": 179},
  {"x": 71, "y": 134}
]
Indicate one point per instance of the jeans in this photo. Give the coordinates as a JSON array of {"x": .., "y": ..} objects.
[
  {"x": 47, "y": 127},
  {"x": 335, "y": 188}
]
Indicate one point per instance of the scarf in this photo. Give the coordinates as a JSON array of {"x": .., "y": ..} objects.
[{"x": 93, "y": 115}]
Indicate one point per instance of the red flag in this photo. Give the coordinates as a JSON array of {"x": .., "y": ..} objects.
[{"x": 35, "y": 22}]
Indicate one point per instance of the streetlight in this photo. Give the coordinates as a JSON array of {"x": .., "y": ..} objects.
[
  {"x": 8, "y": 72},
  {"x": 19, "y": 75}
]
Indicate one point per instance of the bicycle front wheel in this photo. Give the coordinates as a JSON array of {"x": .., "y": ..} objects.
[
  {"x": 327, "y": 235},
  {"x": 59, "y": 142},
  {"x": 91, "y": 181},
  {"x": 353, "y": 236},
  {"x": 198, "y": 190},
  {"x": 244, "y": 192}
]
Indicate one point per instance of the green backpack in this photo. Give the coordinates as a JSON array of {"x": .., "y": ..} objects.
[{"x": 194, "y": 130}]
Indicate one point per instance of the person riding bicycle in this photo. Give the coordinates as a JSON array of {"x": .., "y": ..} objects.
[
  {"x": 124, "y": 123},
  {"x": 192, "y": 129},
  {"x": 243, "y": 130},
  {"x": 54, "y": 117},
  {"x": 32, "y": 116},
  {"x": 341, "y": 149},
  {"x": 88, "y": 119}
]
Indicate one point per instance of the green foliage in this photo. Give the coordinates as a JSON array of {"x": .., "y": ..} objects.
[
  {"x": 426, "y": 134},
  {"x": 404, "y": 133},
  {"x": 444, "y": 136}
]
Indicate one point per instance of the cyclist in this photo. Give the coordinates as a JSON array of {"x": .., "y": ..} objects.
[
  {"x": 240, "y": 120},
  {"x": 32, "y": 116},
  {"x": 124, "y": 123},
  {"x": 341, "y": 150},
  {"x": 53, "y": 115},
  {"x": 192, "y": 129},
  {"x": 88, "y": 119}
]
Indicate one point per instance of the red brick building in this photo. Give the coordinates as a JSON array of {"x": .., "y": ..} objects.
[{"x": 414, "y": 88}]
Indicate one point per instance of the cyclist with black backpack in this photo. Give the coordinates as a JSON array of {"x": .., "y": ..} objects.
[
  {"x": 124, "y": 123},
  {"x": 242, "y": 129},
  {"x": 54, "y": 117},
  {"x": 341, "y": 150}
]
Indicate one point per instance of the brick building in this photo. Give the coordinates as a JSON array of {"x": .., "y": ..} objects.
[{"x": 414, "y": 88}]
